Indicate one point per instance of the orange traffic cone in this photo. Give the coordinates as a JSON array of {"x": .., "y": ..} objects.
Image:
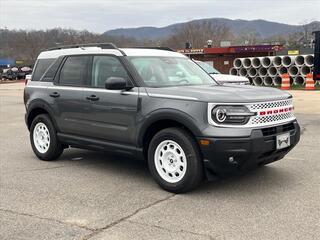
[
  {"x": 309, "y": 82},
  {"x": 285, "y": 82}
]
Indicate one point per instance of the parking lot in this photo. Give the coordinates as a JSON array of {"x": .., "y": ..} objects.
[{"x": 91, "y": 195}]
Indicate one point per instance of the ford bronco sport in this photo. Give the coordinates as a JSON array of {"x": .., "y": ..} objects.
[{"x": 158, "y": 105}]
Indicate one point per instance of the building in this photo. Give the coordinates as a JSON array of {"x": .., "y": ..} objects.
[
  {"x": 222, "y": 57},
  {"x": 5, "y": 62}
]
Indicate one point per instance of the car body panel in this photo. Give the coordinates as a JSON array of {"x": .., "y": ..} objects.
[{"x": 226, "y": 78}]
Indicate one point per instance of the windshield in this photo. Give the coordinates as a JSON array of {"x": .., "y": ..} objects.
[
  {"x": 208, "y": 68},
  {"x": 170, "y": 71}
]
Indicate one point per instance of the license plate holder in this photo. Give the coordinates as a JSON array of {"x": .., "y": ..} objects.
[{"x": 283, "y": 141}]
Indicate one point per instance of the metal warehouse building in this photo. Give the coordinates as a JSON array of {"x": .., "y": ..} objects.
[{"x": 222, "y": 57}]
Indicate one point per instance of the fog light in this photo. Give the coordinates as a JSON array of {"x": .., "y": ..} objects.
[{"x": 232, "y": 160}]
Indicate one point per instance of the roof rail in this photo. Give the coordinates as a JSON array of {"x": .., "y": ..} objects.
[
  {"x": 159, "y": 48},
  {"x": 101, "y": 45}
]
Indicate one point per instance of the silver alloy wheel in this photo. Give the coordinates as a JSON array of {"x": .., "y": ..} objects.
[
  {"x": 41, "y": 137},
  {"x": 170, "y": 161}
]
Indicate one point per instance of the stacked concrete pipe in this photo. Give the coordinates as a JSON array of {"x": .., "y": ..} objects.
[
  {"x": 267, "y": 70},
  {"x": 233, "y": 71}
]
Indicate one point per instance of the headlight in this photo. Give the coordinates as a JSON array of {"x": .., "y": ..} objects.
[{"x": 238, "y": 115}]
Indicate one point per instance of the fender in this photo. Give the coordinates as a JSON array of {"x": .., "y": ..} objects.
[
  {"x": 167, "y": 114},
  {"x": 41, "y": 104}
]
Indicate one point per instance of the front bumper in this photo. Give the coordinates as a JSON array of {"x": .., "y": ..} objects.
[{"x": 239, "y": 154}]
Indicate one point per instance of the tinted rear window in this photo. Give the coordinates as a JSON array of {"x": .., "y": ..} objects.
[
  {"x": 41, "y": 67},
  {"x": 51, "y": 71},
  {"x": 74, "y": 71}
]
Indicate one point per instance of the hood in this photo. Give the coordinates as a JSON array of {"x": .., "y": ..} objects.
[
  {"x": 220, "y": 93},
  {"x": 229, "y": 78}
]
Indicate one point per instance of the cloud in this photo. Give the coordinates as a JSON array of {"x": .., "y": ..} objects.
[{"x": 102, "y": 15}]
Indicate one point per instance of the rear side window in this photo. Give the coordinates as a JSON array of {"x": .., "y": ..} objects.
[
  {"x": 74, "y": 71},
  {"x": 41, "y": 67},
  {"x": 49, "y": 75}
]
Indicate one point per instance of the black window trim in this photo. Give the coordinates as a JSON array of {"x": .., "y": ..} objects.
[
  {"x": 88, "y": 81},
  {"x": 58, "y": 60},
  {"x": 57, "y": 77},
  {"x": 131, "y": 79},
  {"x": 35, "y": 68}
]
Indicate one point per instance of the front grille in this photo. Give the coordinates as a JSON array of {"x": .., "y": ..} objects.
[
  {"x": 276, "y": 130},
  {"x": 288, "y": 127},
  {"x": 269, "y": 131},
  {"x": 269, "y": 119},
  {"x": 272, "y": 113},
  {"x": 269, "y": 113},
  {"x": 267, "y": 105}
]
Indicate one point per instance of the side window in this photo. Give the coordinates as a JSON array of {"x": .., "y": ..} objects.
[
  {"x": 104, "y": 67},
  {"x": 49, "y": 75},
  {"x": 41, "y": 67},
  {"x": 74, "y": 71}
]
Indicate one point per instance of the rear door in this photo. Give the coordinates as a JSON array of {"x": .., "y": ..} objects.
[
  {"x": 111, "y": 114},
  {"x": 67, "y": 94}
]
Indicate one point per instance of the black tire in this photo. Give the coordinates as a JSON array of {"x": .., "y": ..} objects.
[
  {"x": 55, "y": 147},
  {"x": 194, "y": 171}
]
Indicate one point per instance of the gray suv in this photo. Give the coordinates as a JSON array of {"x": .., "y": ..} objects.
[{"x": 158, "y": 105}]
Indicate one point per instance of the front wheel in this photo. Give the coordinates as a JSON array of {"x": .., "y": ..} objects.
[
  {"x": 43, "y": 138},
  {"x": 174, "y": 160}
]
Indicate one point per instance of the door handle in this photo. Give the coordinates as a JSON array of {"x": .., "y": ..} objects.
[
  {"x": 54, "y": 94},
  {"x": 92, "y": 98}
]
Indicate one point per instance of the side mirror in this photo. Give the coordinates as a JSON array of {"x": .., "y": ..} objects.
[{"x": 117, "y": 83}]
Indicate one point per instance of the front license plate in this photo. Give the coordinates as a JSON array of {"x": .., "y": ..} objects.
[{"x": 283, "y": 141}]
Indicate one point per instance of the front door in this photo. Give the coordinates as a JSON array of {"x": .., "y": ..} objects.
[{"x": 111, "y": 114}]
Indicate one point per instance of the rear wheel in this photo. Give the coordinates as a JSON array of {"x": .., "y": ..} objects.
[
  {"x": 174, "y": 160},
  {"x": 43, "y": 138}
]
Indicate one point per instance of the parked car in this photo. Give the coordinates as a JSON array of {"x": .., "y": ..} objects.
[
  {"x": 156, "y": 105},
  {"x": 222, "y": 78}
]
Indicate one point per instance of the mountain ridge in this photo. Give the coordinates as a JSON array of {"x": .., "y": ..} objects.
[{"x": 264, "y": 28}]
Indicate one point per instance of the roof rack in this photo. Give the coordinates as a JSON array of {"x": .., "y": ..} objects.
[
  {"x": 159, "y": 48},
  {"x": 101, "y": 45}
]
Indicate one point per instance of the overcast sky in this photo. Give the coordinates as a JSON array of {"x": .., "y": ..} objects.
[{"x": 101, "y": 15}]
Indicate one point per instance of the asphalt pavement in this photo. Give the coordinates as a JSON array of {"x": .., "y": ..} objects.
[{"x": 93, "y": 195}]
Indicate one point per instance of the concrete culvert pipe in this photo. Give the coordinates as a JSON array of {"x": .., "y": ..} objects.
[
  {"x": 277, "y": 61},
  {"x": 266, "y": 62},
  {"x": 277, "y": 81},
  {"x": 293, "y": 71},
  {"x": 256, "y": 63},
  {"x": 305, "y": 70},
  {"x": 282, "y": 70},
  {"x": 252, "y": 72},
  {"x": 243, "y": 72},
  {"x": 263, "y": 72},
  {"x": 287, "y": 61},
  {"x": 257, "y": 81},
  {"x": 309, "y": 60},
  {"x": 268, "y": 81},
  {"x": 299, "y": 60},
  {"x": 246, "y": 62},
  {"x": 250, "y": 80},
  {"x": 237, "y": 63},
  {"x": 299, "y": 80},
  {"x": 272, "y": 71},
  {"x": 233, "y": 71}
]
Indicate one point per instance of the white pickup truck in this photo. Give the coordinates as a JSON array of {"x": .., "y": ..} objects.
[{"x": 222, "y": 78}]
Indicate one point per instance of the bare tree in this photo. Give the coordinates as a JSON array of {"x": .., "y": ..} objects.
[
  {"x": 26, "y": 45},
  {"x": 197, "y": 33}
]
